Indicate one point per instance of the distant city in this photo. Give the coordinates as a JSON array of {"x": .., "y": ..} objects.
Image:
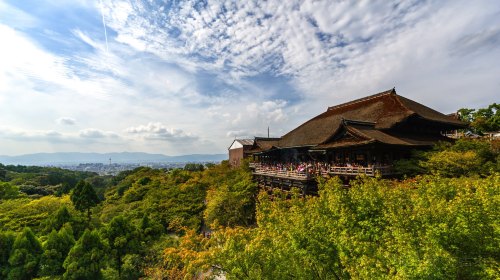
[
  {"x": 109, "y": 163},
  {"x": 115, "y": 168}
]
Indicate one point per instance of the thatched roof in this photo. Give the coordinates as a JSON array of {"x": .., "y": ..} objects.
[
  {"x": 362, "y": 133},
  {"x": 384, "y": 110},
  {"x": 263, "y": 144}
]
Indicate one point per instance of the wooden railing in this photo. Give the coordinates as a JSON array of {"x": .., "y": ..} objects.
[
  {"x": 281, "y": 173},
  {"x": 334, "y": 170},
  {"x": 369, "y": 171}
]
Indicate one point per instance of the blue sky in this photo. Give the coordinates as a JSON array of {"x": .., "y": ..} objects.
[{"x": 177, "y": 77}]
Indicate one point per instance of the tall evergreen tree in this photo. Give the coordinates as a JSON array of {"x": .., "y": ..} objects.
[
  {"x": 123, "y": 238},
  {"x": 25, "y": 256},
  {"x": 6, "y": 242},
  {"x": 84, "y": 198},
  {"x": 57, "y": 220},
  {"x": 86, "y": 259},
  {"x": 55, "y": 250}
]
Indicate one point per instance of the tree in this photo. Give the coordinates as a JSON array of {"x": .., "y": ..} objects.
[
  {"x": 6, "y": 242},
  {"x": 427, "y": 227},
  {"x": 55, "y": 250},
  {"x": 25, "y": 256},
  {"x": 483, "y": 119},
  {"x": 149, "y": 229},
  {"x": 454, "y": 164},
  {"x": 131, "y": 265},
  {"x": 86, "y": 259},
  {"x": 194, "y": 167},
  {"x": 123, "y": 239},
  {"x": 84, "y": 198},
  {"x": 62, "y": 217},
  {"x": 8, "y": 191},
  {"x": 231, "y": 197},
  {"x": 466, "y": 157},
  {"x": 3, "y": 173},
  {"x": 57, "y": 220}
]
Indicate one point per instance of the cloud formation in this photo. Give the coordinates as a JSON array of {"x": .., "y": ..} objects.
[
  {"x": 66, "y": 121},
  {"x": 93, "y": 133},
  {"x": 223, "y": 69},
  {"x": 157, "y": 131}
]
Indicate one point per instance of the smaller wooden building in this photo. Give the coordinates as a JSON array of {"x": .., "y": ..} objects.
[{"x": 239, "y": 150}]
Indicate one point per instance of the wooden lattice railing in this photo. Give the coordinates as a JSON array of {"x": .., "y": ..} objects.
[{"x": 333, "y": 170}]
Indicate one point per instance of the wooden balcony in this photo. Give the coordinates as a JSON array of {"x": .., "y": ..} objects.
[
  {"x": 259, "y": 169},
  {"x": 369, "y": 171}
]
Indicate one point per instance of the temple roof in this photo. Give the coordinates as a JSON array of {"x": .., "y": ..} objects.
[
  {"x": 362, "y": 133},
  {"x": 384, "y": 110},
  {"x": 242, "y": 143},
  {"x": 263, "y": 144}
]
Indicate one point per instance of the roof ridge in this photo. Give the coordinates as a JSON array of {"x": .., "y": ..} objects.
[
  {"x": 267, "y": 138},
  {"x": 377, "y": 95},
  {"x": 357, "y": 122}
]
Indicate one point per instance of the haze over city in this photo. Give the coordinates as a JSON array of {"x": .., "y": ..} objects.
[{"x": 188, "y": 77}]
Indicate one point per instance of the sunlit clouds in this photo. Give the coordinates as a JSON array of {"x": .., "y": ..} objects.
[{"x": 190, "y": 76}]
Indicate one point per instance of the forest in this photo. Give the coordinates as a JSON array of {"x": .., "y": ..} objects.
[{"x": 440, "y": 221}]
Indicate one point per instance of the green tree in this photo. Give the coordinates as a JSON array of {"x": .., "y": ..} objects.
[
  {"x": 57, "y": 220},
  {"x": 3, "y": 172},
  {"x": 131, "y": 268},
  {"x": 86, "y": 259},
  {"x": 453, "y": 164},
  {"x": 429, "y": 227},
  {"x": 84, "y": 198},
  {"x": 8, "y": 191},
  {"x": 123, "y": 239},
  {"x": 6, "y": 242},
  {"x": 55, "y": 251},
  {"x": 25, "y": 256},
  {"x": 231, "y": 197},
  {"x": 483, "y": 119},
  {"x": 149, "y": 229},
  {"x": 194, "y": 167},
  {"x": 465, "y": 157}
]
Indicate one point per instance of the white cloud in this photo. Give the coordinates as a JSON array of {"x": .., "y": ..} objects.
[
  {"x": 332, "y": 49},
  {"x": 93, "y": 133},
  {"x": 31, "y": 135},
  {"x": 270, "y": 111},
  {"x": 66, "y": 121},
  {"x": 210, "y": 70},
  {"x": 157, "y": 131},
  {"x": 239, "y": 134}
]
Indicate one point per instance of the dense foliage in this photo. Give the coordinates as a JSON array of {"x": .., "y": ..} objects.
[
  {"x": 463, "y": 158},
  {"x": 121, "y": 235},
  {"x": 40, "y": 181},
  {"x": 200, "y": 222},
  {"x": 425, "y": 228},
  {"x": 483, "y": 119}
]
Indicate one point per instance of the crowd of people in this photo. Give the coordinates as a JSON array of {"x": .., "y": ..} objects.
[{"x": 311, "y": 167}]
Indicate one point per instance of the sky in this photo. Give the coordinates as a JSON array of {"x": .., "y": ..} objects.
[{"x": 184, "y": 77}]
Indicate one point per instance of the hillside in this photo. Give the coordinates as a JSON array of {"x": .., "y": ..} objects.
[{"x": 148, "y": 223}]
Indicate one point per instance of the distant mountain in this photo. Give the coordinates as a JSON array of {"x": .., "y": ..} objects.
[{"x": 125, "y": 157}]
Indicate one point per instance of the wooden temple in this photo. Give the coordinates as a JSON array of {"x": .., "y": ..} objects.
[{"x": 363, "y": 136}]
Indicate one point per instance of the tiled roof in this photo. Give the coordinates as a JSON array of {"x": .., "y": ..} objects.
[
  {"x": 384, "y": 110},
  {"x": 245, "y": 142}
]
